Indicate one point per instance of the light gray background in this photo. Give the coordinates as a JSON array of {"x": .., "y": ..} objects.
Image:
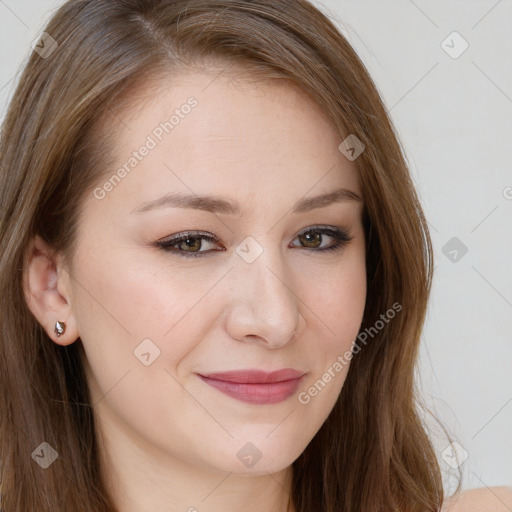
[{"x": 454, "y": 116}]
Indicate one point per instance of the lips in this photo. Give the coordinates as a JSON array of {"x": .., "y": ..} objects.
[{"x": 256, "y": 386}]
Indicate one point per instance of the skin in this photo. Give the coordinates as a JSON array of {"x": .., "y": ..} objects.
[
  {"x": 490, "y": 499},
  {"x": 170, "y": 441}
]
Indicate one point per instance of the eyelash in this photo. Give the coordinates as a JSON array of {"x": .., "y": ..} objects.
[{"x": 341, "y": 240}]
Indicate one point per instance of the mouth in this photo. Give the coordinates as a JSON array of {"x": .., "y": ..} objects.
[{"x": 256, "y": 386}]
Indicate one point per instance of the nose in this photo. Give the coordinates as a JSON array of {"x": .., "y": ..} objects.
[{"x": 263, "y": 306}]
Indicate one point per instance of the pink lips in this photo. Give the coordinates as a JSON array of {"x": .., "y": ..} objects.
[{"x": 256, "y": 386}]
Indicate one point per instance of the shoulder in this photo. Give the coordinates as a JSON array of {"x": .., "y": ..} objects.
[{"x": 485, "y": 499}]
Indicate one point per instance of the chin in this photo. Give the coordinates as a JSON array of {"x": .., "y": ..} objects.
[
  {"x": 254, "y": 458},
  {"x": 263, "y": 467}
]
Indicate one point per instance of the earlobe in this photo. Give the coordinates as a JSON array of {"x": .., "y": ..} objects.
[{"x": 47, "y": 290}]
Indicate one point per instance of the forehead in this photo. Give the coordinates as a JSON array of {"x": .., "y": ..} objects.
[{"x": 216, "y": 129}]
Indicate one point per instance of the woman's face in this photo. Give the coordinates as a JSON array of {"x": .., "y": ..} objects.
[{"x": 250, "y": 285}]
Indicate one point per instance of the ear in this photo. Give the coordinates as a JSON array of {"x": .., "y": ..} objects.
[{"x": 47, "y": 289}]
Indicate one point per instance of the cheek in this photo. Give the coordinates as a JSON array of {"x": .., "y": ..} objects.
[
  {"x": 127, "y": 297},
  {"x": 124, "y": 311},
  {"x": 336, "y": 296},
  {"x": 337, "y": 308}
]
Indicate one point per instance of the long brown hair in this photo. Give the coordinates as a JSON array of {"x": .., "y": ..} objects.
[{"x": 373, "y": 452}]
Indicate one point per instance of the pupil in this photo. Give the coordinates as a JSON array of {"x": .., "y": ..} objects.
[
  {"x": 190, "y": 243},
  {"x": 312, "y": 238}
]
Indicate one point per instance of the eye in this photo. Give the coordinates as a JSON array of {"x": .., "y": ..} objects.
[
  {"x": 312, "y": 238},
  {"x": 181, "y": 243},
  {"x": 189, "y": 244}
]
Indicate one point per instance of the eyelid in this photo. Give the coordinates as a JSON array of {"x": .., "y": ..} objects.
[
  {"x": 326, "y": 227},
  {"x": 340, "y": 235},
  {"x": 191, "y": 234},
  {"x": 210, "y": 236}
]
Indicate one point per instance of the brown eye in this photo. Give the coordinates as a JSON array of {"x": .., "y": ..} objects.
[
  {"x": 187, "y": 244},
  {"x": 190, "y": 243},
  {"x": 312, "y": 239}
]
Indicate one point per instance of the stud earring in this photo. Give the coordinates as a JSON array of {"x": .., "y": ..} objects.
[{"x": 60, "y": 328}]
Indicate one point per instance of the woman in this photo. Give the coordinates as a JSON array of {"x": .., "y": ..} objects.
[{"x": 215, "y": 270}]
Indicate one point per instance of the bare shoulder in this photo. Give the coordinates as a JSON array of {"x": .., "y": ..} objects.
[{"x": 485, "y": 499}]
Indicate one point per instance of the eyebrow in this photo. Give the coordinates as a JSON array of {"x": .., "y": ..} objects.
[{"x": 215, "y": 204}]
